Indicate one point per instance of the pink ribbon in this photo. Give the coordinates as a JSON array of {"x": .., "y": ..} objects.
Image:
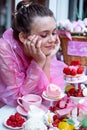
[
  {"x": 65, "y": 32},
  {"x": 71, "y": 105}
]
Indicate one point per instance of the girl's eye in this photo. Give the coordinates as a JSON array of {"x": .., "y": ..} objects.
[
  {"x": 54, "y": 33},
  {"x": 43, "y": 36}
]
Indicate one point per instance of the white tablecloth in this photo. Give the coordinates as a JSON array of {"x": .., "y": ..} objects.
[{"x": 5, "y": 111}]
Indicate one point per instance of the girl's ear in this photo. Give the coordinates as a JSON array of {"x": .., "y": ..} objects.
[{"x": 22, "y": 37}]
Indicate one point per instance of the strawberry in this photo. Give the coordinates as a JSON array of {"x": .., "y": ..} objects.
[
  {"x": 55, "y": 117},
  {"x": 75, "y": 63},
  {"x": 71, "y": 92},
  {"x": 73, "y": 72},
  {"x": 82, "y": 128},
  {"x": 55, "y": 124},
  {"x": 66, "y": 70},
  {"x": 55, "y": 121},
  {"x": 80, "y": 70},
  {"x": 79, "y": 93},
  {"x": 52, "y": 108}
]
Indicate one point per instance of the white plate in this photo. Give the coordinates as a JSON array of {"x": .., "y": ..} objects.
[
  {"x": 13, "y": 128},
  {"x": 78, "y": 81},
  {"x": 52, "y": 99}
]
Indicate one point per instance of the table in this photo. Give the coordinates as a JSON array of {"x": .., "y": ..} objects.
[{"x": 5, "y": 111}]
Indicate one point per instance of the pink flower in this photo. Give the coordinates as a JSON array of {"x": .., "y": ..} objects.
[{"x": 79, "y": 26}]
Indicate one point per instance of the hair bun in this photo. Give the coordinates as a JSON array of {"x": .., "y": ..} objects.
[{"x": 23, "y": 3}]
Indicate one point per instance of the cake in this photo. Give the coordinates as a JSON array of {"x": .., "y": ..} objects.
[
  {"x": 53, "y": 91},
  {"x": 74, "y": 71}
]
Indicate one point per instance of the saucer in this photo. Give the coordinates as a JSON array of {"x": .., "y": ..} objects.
[
  {"x": 52, "y": 99},
  {"x": 21, "y": 111}
]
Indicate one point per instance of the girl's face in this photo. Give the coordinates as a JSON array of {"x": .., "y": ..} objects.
[{"x": 45, "y": 27}]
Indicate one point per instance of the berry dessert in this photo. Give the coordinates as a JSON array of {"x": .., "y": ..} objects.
[
  {"x": 73, "y": 72},
  {"x": 71, "y": 90},
  {"x": 53, "y": 91},
  {"x": 59, "y": 123},
  {"x": 15, "y": 121}
]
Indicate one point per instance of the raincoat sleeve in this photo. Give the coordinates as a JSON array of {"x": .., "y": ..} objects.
[{"x": 14, "y": 81}]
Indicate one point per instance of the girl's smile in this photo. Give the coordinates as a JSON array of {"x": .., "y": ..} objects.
[{"x": 46, "y": 28}]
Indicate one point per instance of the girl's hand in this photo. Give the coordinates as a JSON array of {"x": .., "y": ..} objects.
[{"x": 32, "y": 47}]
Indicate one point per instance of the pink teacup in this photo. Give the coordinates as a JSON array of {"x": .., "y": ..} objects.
[{"x": 29, "y": 99}]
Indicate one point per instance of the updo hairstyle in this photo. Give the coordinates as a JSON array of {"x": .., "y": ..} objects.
[{"x": 26, "y": 11}]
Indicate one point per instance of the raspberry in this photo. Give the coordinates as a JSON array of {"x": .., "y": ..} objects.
[
  {"x": 12, "y": 118},
  {"x": 17, "y": 115},
  {"x": 14, "y": 124},
  {"x": 19, "y": 123},
  {"x": 55, "y": 117},
  {"x": 9, "y": 122},
  {"x": 15, "y": 120}
]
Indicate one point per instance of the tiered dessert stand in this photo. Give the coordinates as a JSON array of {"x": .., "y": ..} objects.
[{"x": 74, "y": 113}]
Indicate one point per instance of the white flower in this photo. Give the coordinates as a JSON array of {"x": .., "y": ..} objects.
[{"x": 85, "y": 21}]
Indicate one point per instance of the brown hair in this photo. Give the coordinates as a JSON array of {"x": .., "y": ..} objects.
[{"x": 25, "y": 13}]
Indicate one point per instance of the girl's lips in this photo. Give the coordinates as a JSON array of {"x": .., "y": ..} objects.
[{"x": 51, "y": 47}]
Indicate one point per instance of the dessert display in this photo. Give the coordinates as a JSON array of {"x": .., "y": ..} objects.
[
  {"x": 68, "y": 112},
  {"x": 73, "y": 72},
  {"x": 74, "y": 104},
  {"x": 53, "y": 91}
]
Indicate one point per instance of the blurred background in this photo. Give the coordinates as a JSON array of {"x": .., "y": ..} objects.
[{"x": 63, "y": 9}]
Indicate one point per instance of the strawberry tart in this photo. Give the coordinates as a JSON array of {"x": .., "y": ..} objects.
[
  {"x": 53, "y": 91},
  {"x": 73, "y": 72}
]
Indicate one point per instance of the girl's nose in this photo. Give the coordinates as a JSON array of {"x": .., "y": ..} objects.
[{"x": 51, "y": 39}]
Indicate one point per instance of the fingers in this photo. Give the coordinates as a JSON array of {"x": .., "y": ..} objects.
[{"x": 33, "y": 44}]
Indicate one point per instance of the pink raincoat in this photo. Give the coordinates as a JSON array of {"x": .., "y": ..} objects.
[{"x": 20, "y": 75}]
